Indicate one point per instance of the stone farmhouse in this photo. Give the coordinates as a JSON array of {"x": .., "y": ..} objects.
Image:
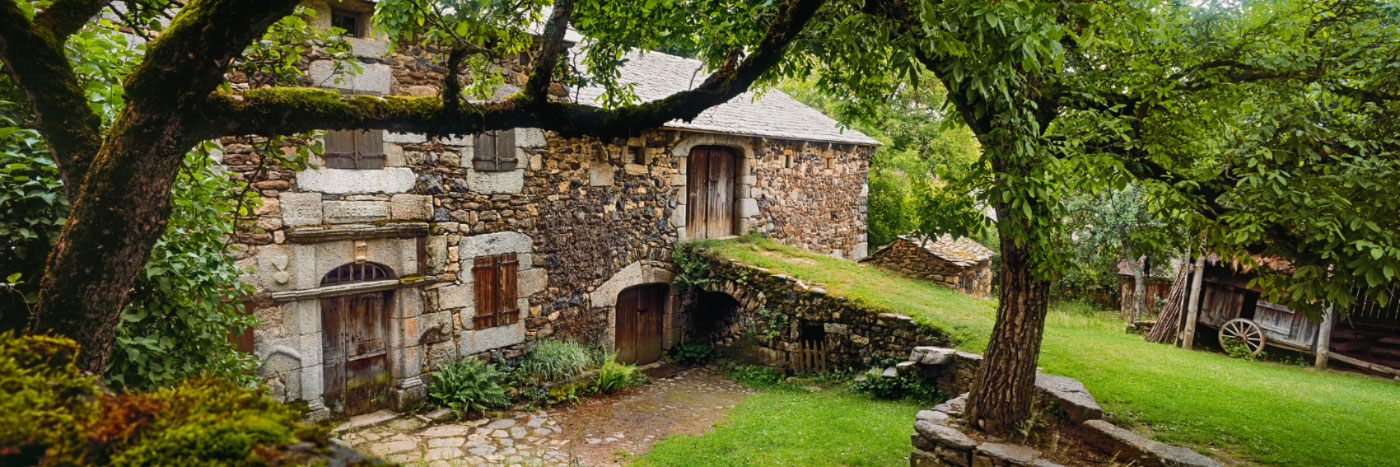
[
  {"x": 959, "y": 263},
  {"x": 400, "y": 252}
]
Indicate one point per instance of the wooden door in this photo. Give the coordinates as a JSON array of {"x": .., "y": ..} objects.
[
  {"x": 639, "y": 313},
  {"x": 710, "y": 192},
  {"x": 355, "y": 352}
]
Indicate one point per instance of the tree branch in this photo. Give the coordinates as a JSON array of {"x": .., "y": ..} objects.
[
  {"x": 551, "y": 48},
  {"x": 282, "y": 111},
  {"x": 65, "y": 17},
  {"x": 38, "y": 66}
]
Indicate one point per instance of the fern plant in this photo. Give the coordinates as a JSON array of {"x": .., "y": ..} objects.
[
  {"x": 614, "y": 376},
  {"x": 469, "y": 385}
]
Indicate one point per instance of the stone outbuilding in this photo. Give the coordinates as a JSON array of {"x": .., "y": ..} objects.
[
  {"x": 397, "y": 253},
  {"x": 961, "y": 263}
]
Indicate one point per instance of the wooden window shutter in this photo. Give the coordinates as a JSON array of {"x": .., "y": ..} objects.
[
  {"x": 354, "y": 149},
  {"x": 495, "y": 291},
  {"x": 494, "y": 151},
  {"x": 509, "y": 313}
]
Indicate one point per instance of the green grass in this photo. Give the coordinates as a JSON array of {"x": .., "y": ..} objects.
[
  {"x": 790, "y": 427},
  {"x": 1259, "y": 411}
]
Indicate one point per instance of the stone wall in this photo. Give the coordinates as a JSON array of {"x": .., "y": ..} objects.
[
  {"x": 909, "y": 259},
  {"x": 941, "y": 436},
  {"x": 783, "y": 311},
  {"x": 586, "y": 218}
]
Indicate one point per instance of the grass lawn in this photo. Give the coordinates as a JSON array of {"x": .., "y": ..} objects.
[
  {"x": 791, "y": 427},
  {"x": 1262, "y": 412}
]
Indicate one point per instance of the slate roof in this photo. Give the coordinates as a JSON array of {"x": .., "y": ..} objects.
[
  {"x": 656, "y": 75},
  {"x": 961, "y": 251}
]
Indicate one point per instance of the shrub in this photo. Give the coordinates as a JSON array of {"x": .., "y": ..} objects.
[
  {"x": 52, "y": 415},
  {"x": 900, "y": 387},
  {"x": 694, "y": 351},
  {"x": 556, "y": 360},
  {"x": 691, "y": 270},
  {"x": 614, "y": 376},
  {"x": 469, "y": 385}
]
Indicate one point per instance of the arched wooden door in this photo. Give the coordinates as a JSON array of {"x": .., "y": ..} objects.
[
  {"x": 710, "y": 192},
  {"x": 639, "y": 313},
  {"x": 355, "y": 342}
]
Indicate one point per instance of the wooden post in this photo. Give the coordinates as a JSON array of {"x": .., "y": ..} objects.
[
  {"x": 1193, "y": 304},
  {"x": 1324, "y": 339}
]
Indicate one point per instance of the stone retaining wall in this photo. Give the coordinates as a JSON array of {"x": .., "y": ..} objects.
[
  {"x": 785, "y": 311},
  {"x": 941, "y": 439}
]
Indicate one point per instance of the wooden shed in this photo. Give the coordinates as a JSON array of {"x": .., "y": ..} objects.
[
  {"x": 1366, "y": 336},
  {"x": 960, "y": 263}
]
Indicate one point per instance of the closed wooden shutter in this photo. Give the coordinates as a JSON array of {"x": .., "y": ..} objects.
[
  {"x": 494, "y": 151},
  {"x": 495, "y": 291},
  {"x": 354, "y": 149}
]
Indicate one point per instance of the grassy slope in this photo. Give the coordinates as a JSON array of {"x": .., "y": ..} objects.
[
  {"x": 786, "y": 427},
  {"x": 1262, "y": 411}
]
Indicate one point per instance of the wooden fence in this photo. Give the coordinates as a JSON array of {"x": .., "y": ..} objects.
[{"x": 811, "y": 358}]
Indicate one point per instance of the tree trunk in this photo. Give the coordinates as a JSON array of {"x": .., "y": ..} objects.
[
  {"x": 114, "y": 224},
  {"x": 1001, "y": 395},
  {"x": 1139, "y": 287}
]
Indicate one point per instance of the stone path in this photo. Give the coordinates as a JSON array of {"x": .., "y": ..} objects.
[{"x": 607, "y": 430}]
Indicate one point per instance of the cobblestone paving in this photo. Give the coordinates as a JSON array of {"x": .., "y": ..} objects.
[{"x": 598, "y": 431}]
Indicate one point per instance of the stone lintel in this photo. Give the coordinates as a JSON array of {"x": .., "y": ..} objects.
[{"x": 357, "y": 232}]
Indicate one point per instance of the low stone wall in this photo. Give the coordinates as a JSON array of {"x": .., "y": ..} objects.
[
  {"x": 785, "y": 313},
  {"x": 940, "y": 439},
  {"x": 908, "y": 259}
]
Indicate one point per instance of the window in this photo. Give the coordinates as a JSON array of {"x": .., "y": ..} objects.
[
  {"x": 637, "y": 155},
  {"x": 494, "y": 151},
  {"x": 354, "y": 149},
  {"x": 495, "y": 291},
  {"x": 351, "y": 21}
]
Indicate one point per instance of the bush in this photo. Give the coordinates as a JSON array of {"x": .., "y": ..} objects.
[
  {"x": 469, "y": 385},
  {"x": 904, "y": 386},
  {"x": 52, "y": 415},
  {"x": 693, "y": 351},
  {"x": 614, "y": 376},
  {"x": 556, "y": 360}
]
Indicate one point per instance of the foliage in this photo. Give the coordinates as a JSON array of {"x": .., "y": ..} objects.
[
  {"x": 1236, "y": 413},
  {"x": 1104, "y": 228},
  {"x": 906, "y": 386},
  {"x": 55, "y": 416},
  {"x": 614, "y": 376},
  {"x": 555, "y": 360},
  {"x": 467, "y": 385},
  {"x": 47, "y": 399},
  {"x": 1236, "y": 349},
  {"x": 32, "y": 209},
  {"x": 692, "y": 272},
  {"x": 771, "y": 323},
  {"x": 693, "y": 351},
  {"x": 757, "y": 376},
  {"x": 185, "y": 305}
]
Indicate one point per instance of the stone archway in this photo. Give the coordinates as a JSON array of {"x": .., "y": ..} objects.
[{"x": 355, "y": 337}]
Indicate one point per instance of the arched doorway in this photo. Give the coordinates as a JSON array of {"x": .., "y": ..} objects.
[
  {"x": 355, "y": 341},
  {"x": 710, "y": 192},
  {"x": 639, "y": 320}
]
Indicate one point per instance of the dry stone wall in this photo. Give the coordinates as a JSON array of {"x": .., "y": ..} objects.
[
  {"x": 909, "y": 259},
  {"x": 783, "y": 312}
]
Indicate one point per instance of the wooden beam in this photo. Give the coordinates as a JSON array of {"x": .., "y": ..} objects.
[
  {"x": 1193, "y": 304},
  {"x": 1365, "y": 364},
  {"x": 1324, "y": 339}
]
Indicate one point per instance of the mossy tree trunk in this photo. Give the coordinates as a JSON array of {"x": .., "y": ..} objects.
[{"x": 118, "y": 181}]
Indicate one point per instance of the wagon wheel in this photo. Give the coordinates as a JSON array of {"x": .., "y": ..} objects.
[{"x": 1245, "y": 332}]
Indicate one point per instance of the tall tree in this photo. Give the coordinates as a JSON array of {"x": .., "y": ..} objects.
[
  {"x": 1267, "y": 125},
  {"x": 119, "y": 177}
]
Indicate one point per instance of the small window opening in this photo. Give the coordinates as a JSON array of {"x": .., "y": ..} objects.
[
  {"x": 494, "y": 151},
  {"x": 351, "y": 21},
  {"x": 787, "y": 161},
  {"x": 354, "y": 149},
  {"x": 637, "y": 155}
]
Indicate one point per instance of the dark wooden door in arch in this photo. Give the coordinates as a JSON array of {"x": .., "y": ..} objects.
[
  {"x": 355, "y": 342},
  {"x": 710, "y": 192},
  {"x": 639, "y": 321}
]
